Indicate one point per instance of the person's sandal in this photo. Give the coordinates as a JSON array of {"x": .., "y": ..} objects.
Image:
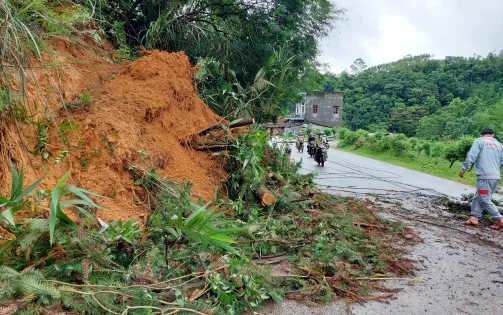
[
  {"x": 498, "y": 225},
  {"x": 471, "y": 222}
]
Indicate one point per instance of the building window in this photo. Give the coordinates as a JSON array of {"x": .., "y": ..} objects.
[
  {"x": 336, "y": 110},
  {"x": 303, "y": 109},
  {"x": 315, "y": 109}
]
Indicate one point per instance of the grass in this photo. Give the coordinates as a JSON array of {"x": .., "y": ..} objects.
[{"x": 422, "y": 163}]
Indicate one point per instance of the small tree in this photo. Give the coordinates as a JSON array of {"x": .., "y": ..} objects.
[{"x": 458, "y": 150}]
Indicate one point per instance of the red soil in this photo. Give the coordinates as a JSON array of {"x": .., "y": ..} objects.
[{"x": 149, "y": 105}]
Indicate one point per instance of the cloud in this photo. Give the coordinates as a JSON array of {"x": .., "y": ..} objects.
[{"x": 380, "y": 31}]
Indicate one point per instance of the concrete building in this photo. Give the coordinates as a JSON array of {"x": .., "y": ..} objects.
[{"x": 322, "y": 108}]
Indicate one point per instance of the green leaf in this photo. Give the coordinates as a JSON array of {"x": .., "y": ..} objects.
[
  {"x": 80, "y": 192},
  {"x": 30, "y": 189},
  {"x": 54, "y": 206},
  {"x": 173, "y": 232},
  {"x": 142, "y": 154},
  {"x": 63, "y": 217},
  {"x": 221, "y": 237},
  {"x": 17, "y": 182},
  {"x": 63, "y": 179},
  {"x": 7, "y": 214},
  {"x": 276, "y": 296},
  {"x": 86, "y": 214}
]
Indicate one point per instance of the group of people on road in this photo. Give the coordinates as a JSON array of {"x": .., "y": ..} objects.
[{"x": 319, "y": 141}]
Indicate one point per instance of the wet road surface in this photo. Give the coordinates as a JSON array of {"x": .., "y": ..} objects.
[
  {"x": 462, "y": 274},
  {"x": 345, "y": 172}
]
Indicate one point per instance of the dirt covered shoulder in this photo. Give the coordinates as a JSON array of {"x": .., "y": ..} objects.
[{"x": 97, "y": 118}]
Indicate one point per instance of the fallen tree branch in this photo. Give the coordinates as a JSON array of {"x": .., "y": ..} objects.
[
  {"x": 241, "y": 123},
  {"x": 359, "y": 298},
  {"x": 214, "y": 147}
]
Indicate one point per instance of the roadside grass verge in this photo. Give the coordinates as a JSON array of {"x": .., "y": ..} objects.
[{"x": 418, "y": 162}]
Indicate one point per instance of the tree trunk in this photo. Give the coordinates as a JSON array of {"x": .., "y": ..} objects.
[
  {"x": 240, "y": 123},
  {"x": 265, "y": 196}
]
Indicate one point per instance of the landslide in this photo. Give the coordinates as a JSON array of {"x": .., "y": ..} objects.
[{"x": 140, "y": 113}]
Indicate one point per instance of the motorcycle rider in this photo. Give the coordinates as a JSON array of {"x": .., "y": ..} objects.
[
  {"x": 300, "y": 141},
  {"x": 300, "y": 136},
  {"x": 311, "y": 139},
  {"x": 320, "y": 142}
]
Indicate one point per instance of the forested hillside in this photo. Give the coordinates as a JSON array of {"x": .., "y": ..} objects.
[{"x": 422, "y": 96}]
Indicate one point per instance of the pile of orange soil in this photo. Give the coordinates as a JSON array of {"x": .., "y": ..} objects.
[{"x": 141, "y": 113}]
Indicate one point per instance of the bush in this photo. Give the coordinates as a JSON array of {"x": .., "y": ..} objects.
[
  {"x": 426, "y": 147},
  {"x": 437, "y": 149},
  {"x": 458, "y": 150},
  {"x": 378, "y": 127},
  {"x": 383, "y": 144},
  {"x": 399, "y": 146},
  {"x": 328, "y": 131},
  {"x": 361, "y": 141},
  {"x": 350, "y": 138},
  {"x": 362, "y": 133},
  {"x": 342, "y": 132},
  {"x": 414, "y": 143}
]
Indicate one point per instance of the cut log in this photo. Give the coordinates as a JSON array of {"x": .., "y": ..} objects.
[
  {"x": 265, "y": 196},
  {"x": 239, "y": 123}
]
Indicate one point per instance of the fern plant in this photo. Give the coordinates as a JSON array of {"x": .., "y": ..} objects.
[{"x": 27, "y": 284}]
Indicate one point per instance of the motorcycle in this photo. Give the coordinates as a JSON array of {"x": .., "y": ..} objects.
[
  {"x": 310, "y": 148},
  {"x": 300, "y": 145},
  {"x": 320, "y": 155}
]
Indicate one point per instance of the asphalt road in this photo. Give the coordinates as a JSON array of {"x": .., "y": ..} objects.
[
  {"x": 348, "y": 173},
  {"x": 462, "y": 274}
]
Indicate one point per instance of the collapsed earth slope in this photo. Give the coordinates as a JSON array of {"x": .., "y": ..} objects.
[{"x": 139, "y": 114}]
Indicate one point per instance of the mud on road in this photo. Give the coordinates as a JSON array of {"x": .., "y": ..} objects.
[{"x": 461, "y": 267}]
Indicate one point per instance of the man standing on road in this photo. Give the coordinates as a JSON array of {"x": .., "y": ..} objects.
[{"x": 487, "y": 155}]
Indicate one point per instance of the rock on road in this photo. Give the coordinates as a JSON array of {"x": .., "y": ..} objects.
[{"x": 462, "y": 275}]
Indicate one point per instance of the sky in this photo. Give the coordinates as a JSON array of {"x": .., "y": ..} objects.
[{"x": 381, "y": 31}]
